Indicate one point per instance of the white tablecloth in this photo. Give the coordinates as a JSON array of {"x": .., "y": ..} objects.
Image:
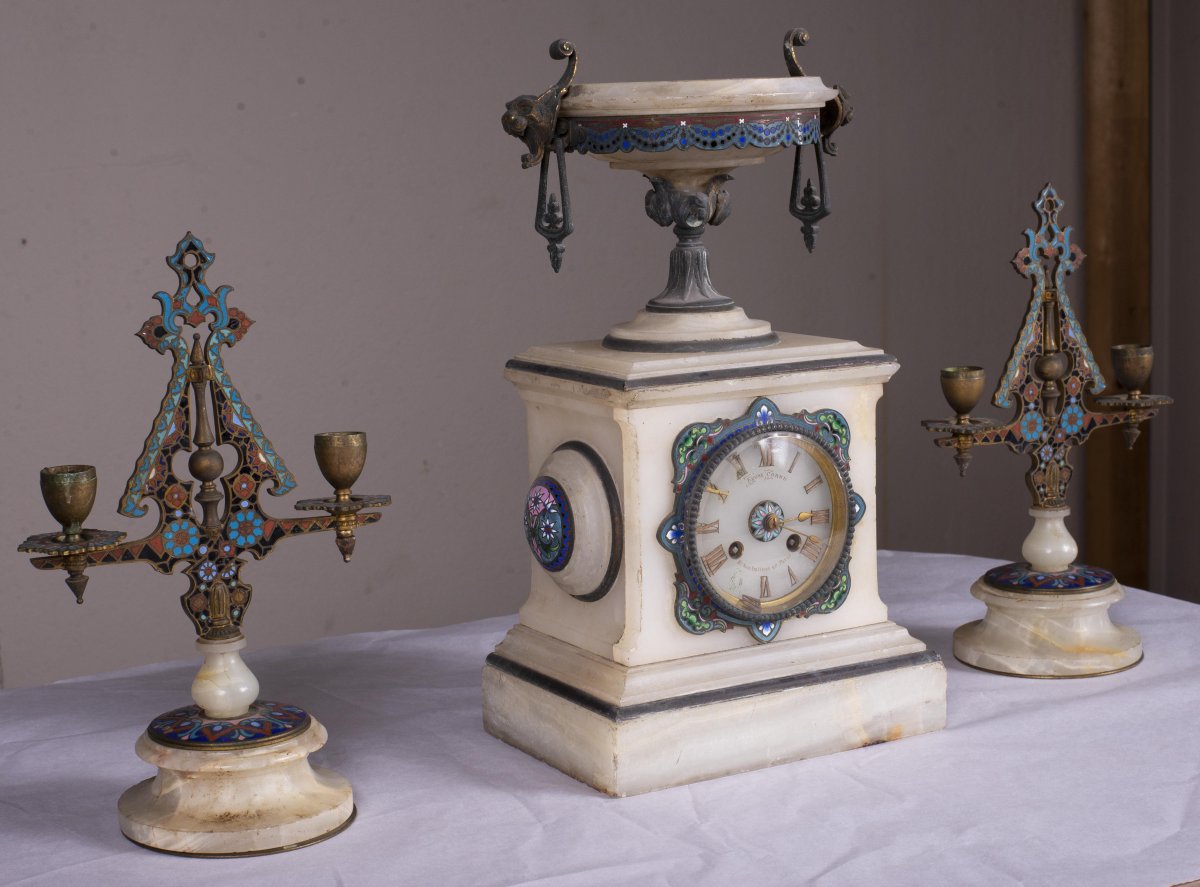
[{"x": 1077, "y": 782}]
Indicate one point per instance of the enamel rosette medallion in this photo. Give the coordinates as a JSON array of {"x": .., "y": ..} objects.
[{"x": 763, "y": 520}]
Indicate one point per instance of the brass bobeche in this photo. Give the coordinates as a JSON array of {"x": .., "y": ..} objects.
[
  {"x": 341, "y": 456},
  {"x": 70, "y": 493},
  {"x": 962, "y": 386},
  {"x": 1132, "y": 364}
]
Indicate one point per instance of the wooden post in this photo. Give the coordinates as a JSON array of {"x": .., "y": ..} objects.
[{"x": 1116, "y": 237}]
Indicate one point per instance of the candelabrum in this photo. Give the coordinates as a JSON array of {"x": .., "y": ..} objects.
[
  {"x": 1047, "y": 616},
  {"x": 685, "y": 137},
  {"x": 233, "y": 771}
]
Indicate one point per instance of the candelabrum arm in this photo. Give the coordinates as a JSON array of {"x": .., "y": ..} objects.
[{"x": 141, "y": 550}]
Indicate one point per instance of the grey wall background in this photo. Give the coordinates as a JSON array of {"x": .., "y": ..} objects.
[{"x": 345, "y": 162}]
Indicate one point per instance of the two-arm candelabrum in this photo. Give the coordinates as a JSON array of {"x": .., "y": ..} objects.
[
  {"x": 220, "y": 789},
  {"x": 1047, "y": 616}
]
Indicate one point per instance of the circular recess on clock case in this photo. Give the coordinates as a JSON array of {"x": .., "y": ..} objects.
[{"x": 573, "y": 522}]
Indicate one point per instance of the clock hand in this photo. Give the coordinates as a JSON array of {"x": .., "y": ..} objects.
[
  {"x": 724, "y": 494},
  {"x": 820, "y": 516},
  {"x": 773, "y": 522}
]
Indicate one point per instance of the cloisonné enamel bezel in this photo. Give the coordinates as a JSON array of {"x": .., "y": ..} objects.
[{"x": 757, "y": 542}]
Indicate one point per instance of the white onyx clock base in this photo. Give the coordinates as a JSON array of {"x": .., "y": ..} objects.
[
  {"x": 1047, "y": 617},
  {"x": 625, "y": 691},
  {"x": 626, "y": 730}
]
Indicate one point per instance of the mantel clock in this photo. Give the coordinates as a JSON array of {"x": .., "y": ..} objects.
[{"x": 701, "y": 514}]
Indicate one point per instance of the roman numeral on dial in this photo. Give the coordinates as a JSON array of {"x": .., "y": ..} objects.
[
  {"x": 738, "y": 465},
  {"x": 766, "y": 454},
  {"x": 714, "y": 527},
  {"x": 813, "y": 484},
  {"x": 764, "y": 587},
  {"x": 715, "y": 559},
  {"x": 812, "y": 548},
  {"x": 793, "y": 578},
  {"x": 821, "y": 517}
]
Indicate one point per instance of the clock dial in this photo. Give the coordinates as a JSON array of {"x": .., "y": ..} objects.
[
  {"x": 766, "y": 522},
  {"x": 763, "y": 519}
]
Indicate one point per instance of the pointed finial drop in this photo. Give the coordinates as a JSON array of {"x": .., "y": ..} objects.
[
  {"x": 77, "y": 584},
  {"x": 345, "y": 545},
  {"x": 1131, "y": 433},
  {"x": 811, "y": 204}
]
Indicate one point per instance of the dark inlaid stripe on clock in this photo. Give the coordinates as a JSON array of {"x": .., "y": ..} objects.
[
  {"x": 754, "y": 688},
  {"x": 618, "y": 384}
]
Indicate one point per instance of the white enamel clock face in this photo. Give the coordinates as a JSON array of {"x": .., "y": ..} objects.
[{"x": 766, "y": 523}]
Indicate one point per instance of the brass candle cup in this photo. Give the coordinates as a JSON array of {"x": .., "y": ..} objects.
[
  {"x": 962, "y": 388},
  {"x": 341, "y": 456},
  {"x": 1132, "y": 364},
  {"x": 70, "y": 493}
]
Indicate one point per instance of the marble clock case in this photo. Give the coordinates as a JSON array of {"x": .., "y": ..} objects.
[{"x": 598, "y": 678}]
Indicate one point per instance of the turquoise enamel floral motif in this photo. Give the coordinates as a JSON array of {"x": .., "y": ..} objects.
[{"x": 745, "y": 517}]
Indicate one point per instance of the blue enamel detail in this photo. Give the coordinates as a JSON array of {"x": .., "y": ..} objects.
[
  {"x": 549, "y": 524},
  {"x": 1021, "y": 577},
  {"x": 245, "y": 528},
  {"x": 180, "y": 537},
  {"x": 192, "y": 303},
  {"x": 765, "y": 632},
  {"x": 857, "y": 508},
  {"x": 759, "y": 527},
  {"x": 1072, "y": 418},
  {"x": 801, "y": 128},
  {"x": 283, "y": 480},
  {"x": 164, "y": 426},
  {"x": 264, "y": 722},
  {"x": 1055, "y": 240}
]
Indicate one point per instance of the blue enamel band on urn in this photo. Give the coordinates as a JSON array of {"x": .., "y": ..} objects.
[{"x": 709, "y": 132}]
